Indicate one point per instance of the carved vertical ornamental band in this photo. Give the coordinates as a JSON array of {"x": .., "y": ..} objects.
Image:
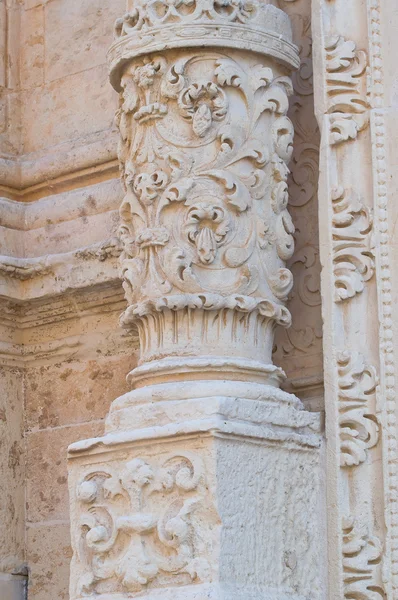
[
  {"x": 362, "y": 554},
  {"x": 383, "y": 206},
  {"x": 358, "y": 532}
]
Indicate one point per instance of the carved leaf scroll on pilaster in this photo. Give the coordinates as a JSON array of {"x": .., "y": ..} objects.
[
  {"x": 362, "y": 557},
  {"x": 353, "y": 255},
  {"x": 358, "y": 425},
  {"x": 137, "y": 525},
  {"x": 346, "y": 89}
]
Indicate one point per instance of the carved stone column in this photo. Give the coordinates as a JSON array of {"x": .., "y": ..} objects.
[{"x": 205, "y": 484}]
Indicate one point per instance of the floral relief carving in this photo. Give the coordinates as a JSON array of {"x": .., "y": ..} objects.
[
  {"x": 205, "y": 190},
  {"x": 306, "y": 270},
  {"x": 160, "y": 12},
  {"x": 303, "y": 77},
  {"x": 302, "y": 341},
  {"x": 248, "y": 22},
  {"x": 358, "y": 425},
  {"x": 346, "y": 88},
  {"x": 207, "y": 227},
  {"x": 362, "y": 557},
  {"x": 353, "y": 254},
  {"x": 147, "y": 14},
  {"x": 137, "y": 525}
]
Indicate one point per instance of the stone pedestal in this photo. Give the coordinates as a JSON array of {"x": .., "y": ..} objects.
[
  {"x": 222, "y": 505},
  {"x": 206, "y": 482}
]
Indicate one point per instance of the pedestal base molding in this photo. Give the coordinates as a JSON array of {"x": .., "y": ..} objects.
[{"x": 222, "y": 506}]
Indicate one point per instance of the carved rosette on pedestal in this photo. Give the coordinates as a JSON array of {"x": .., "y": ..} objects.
[{"x": 204, "y": 462}]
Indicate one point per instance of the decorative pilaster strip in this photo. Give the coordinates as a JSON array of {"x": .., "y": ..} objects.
[
  {"x": 359, "y": 428},
  {"x": 343, "y": 79},
  {"x": 388, "y": 381},
  {"x": 362, "y": 555}
]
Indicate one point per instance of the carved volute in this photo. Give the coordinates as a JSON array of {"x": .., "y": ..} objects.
[{"x": 204, "y": 147}]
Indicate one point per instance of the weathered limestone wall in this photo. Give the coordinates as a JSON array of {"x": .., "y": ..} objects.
[
  {"x": 63, "y": 355},
  {"x": 55, "y": 94},
  {"x": 66, "y": 399},
  {"x": 12, "y": 468}
]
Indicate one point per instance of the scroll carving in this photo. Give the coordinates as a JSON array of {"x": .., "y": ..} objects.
[
  {"x": 358, "y": 425},
  {"x": 239, "y": 24},
  {"x": 188, "y": 214},
  {"x": 346, "y": 88},
  {"x": 138, "y": 524},
  {"x": 362, "y": 556},
  {"x": 293, "y": 346},
  {"x": 353, "y": 255}
]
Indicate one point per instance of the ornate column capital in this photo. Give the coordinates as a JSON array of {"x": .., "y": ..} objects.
[{"x": 151, "y": 26}]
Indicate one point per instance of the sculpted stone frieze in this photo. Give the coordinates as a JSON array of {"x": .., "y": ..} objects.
[
  {"x": 353, "y": 253},
  {"x": 346, "y": 89},
  {"x": 140, "y": 523},
  {"x": 196, "y": 212}
]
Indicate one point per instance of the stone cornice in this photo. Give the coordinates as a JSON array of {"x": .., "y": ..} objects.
[
  {"x": 20, "y": 319},
  {"x": 26, "y": 314},
  {"x": 56, "y": 208},
  {"x": 29, "y": 268},
  {"x": 49, "y": 275},
  {"x": 78, "y": 163}
]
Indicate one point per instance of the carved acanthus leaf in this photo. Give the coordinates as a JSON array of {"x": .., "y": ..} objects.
[
  {"x": 353, "y": 255},
  {"x": 362, "y": 556},
  {"x": 358, "y": 425},
  {"x": 346, "y": 89}
]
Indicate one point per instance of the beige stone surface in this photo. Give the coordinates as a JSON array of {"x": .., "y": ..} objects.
[
  {"x": 82, "y": 41},
  {"x": 12, "y": 468},
  {"x": 46, "y": 490},
  {"x": 204, "y": 398},
  {"x": 81, "y": 103},
  {"x": 73, "y": 392},
  {"x": 49, "y": 558}
]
